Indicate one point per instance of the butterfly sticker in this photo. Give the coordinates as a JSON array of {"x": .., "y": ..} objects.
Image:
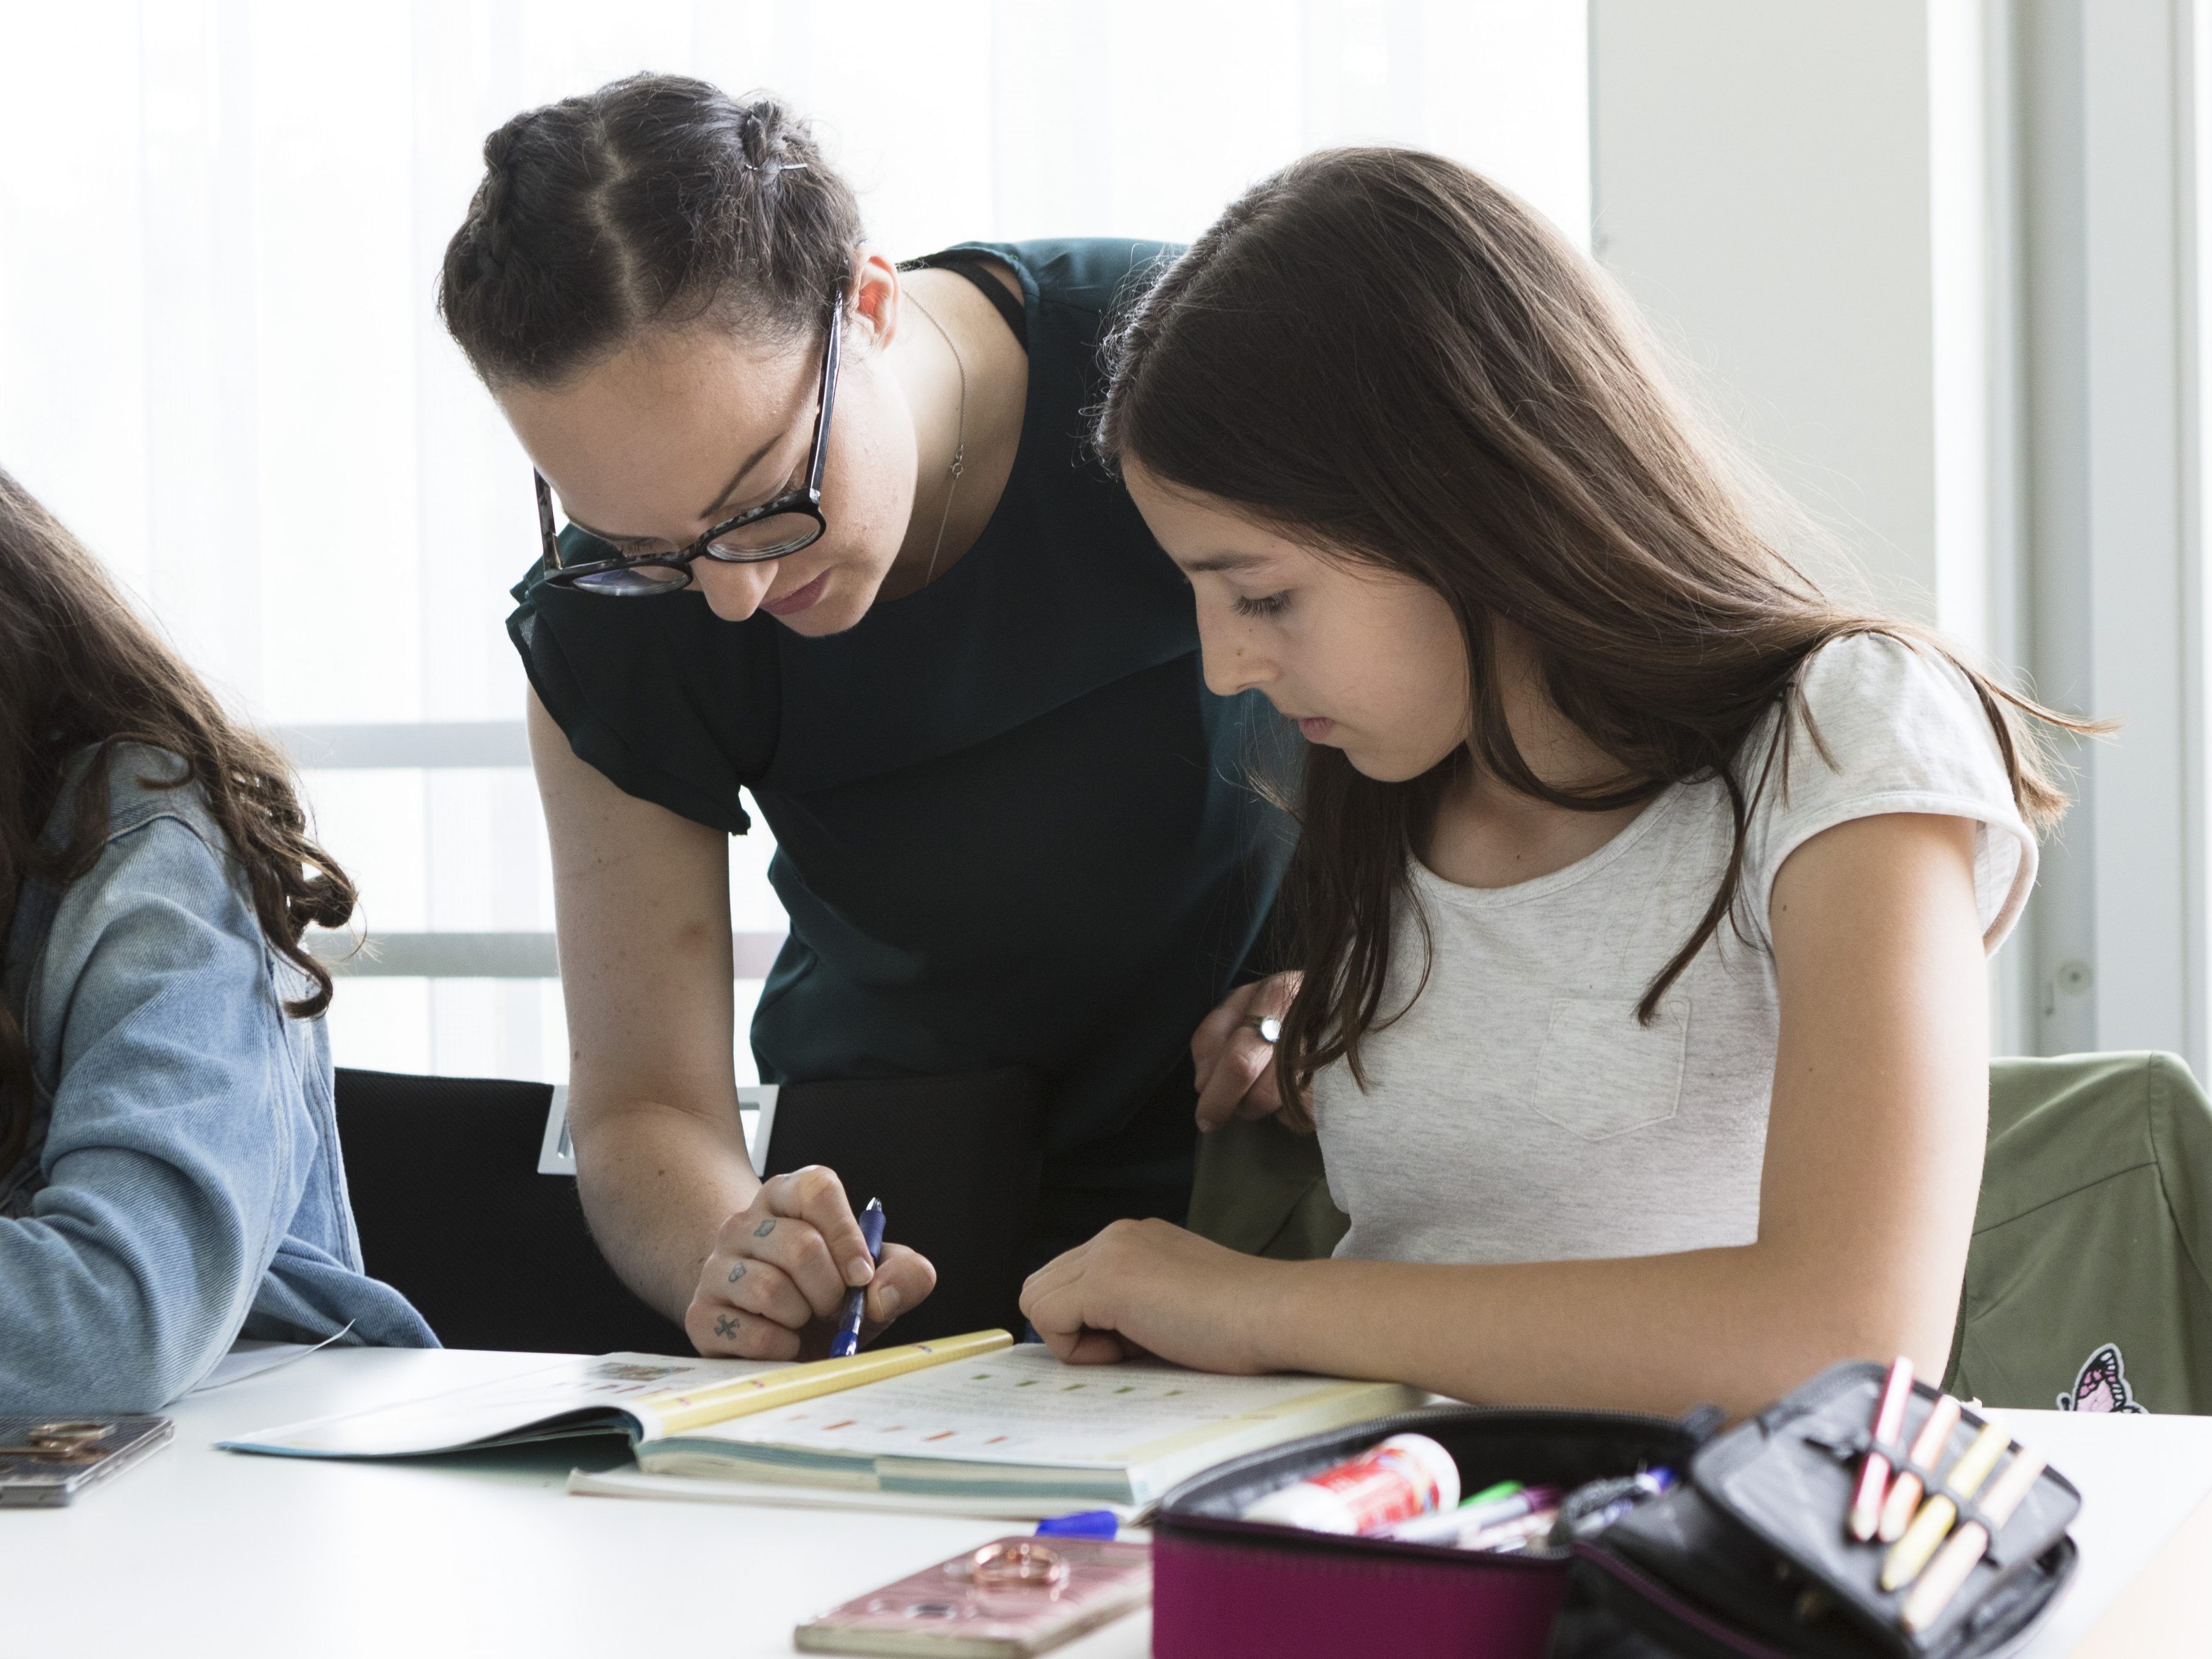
[{"x": 2101, "y": 1385}]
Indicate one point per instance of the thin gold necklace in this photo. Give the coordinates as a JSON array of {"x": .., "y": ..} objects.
[{"x": 959, "y": 441}]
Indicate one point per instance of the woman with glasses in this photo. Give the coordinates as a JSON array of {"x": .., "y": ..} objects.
[{"x": 832, "y": 539}]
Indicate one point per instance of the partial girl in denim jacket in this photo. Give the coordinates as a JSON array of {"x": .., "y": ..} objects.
[
  {"x": 1643, "y": 890},
  {"x": 169, "y": 1170}
]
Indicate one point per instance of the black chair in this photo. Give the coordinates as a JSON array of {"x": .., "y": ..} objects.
[{"x": 454, "y": 1215}]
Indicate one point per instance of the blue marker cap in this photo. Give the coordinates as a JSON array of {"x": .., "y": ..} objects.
[{"x": 1088, "y": 1523}]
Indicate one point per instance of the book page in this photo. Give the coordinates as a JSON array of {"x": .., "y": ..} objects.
[
  {"x": 517, "y": 1408},
  {"x": 1021, "y": 1406}
]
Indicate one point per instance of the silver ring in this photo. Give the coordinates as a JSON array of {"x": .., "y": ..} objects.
[{"x": 1269, "y": 1028}]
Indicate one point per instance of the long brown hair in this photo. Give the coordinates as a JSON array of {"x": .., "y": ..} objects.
[
  {"x": 80, "y": 669},
  {"x": 1387, "y": 357}
]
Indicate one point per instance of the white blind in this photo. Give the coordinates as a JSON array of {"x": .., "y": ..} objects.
[{"x": 220, "y": 225}]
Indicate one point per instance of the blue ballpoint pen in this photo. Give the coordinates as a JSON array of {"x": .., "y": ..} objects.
[{"x": 847, "y": 1342}]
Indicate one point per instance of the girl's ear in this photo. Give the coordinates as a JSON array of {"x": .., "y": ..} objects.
[{"x": 875, "y": 298}]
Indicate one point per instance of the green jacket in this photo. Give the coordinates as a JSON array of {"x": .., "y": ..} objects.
[{"x": 2087, "y": 1283}]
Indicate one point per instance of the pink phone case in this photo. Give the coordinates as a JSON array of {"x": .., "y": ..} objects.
[{"x": 1013, "y": 1597}]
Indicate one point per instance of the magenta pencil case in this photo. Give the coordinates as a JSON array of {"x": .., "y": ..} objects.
[{"x": 1224, "y": 1587}]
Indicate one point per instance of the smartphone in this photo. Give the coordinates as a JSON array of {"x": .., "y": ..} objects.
[
  {"x": 46, "y": 1462},
  {"x": 1013, "y": 1597}
]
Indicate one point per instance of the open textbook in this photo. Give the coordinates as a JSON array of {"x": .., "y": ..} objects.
[
  {"x": 967, "y": 1421},
  {"x": 646, "y": 1396},
  {"x": 1018, "y": 1420}
]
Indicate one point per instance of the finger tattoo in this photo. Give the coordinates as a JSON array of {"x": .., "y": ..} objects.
[
  {"x": 737, "y": 1272},
  {"x": 764, "y": 1228},
  {"x": 727, "y": 1325}
]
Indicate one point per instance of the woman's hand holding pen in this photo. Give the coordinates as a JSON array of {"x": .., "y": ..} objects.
[
  {"x": 1235, "y": 1057},
  {"x": 773, "y": 1283},
  {"x": 1153, "y": 1288}
]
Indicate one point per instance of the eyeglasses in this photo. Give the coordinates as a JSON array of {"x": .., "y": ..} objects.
[{"x": 773, "y": 530}]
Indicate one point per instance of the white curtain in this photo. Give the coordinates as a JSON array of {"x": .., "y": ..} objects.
[{"x": 220, "y": 223}]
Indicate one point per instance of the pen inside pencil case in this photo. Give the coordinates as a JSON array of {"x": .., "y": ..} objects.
[{"x": 1406, "y": 1491}]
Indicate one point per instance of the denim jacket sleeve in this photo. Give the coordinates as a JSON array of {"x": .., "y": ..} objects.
[{"x": 173, "y": 1160}]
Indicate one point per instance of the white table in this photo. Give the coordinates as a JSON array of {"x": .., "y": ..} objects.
[{"x": 200, "y": 1551}]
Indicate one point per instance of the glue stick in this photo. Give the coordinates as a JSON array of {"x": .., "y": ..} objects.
[{"x": 1407, "y": 1475}]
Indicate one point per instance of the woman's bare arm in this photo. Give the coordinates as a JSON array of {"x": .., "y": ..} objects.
[
  {"x": 1873, "y": 1166},
  {"x": 641, "y": 902}
]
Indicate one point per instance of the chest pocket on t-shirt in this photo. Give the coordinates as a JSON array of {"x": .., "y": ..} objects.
[{"x": 1602, "y": 1074}]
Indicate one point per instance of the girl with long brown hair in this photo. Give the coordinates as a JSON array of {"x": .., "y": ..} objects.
[
  {"x": 169, "y": 1170},
  {"x": 1643, "y": 892}
]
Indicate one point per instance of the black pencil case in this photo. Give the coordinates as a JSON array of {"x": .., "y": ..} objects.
[{"x": 1750, "y": 1558}]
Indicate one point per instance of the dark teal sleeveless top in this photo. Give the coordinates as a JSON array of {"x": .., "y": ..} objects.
[{"x": 1012, "y": 826}]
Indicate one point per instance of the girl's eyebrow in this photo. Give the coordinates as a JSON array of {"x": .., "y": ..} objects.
[{"x": 1223, "y": 562}]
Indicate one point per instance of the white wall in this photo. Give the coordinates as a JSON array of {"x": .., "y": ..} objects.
[
  {"x": 1761, "y": 184},
  {"x": 1936, "y": 263},
  {"x": 2109, "y": 261}
]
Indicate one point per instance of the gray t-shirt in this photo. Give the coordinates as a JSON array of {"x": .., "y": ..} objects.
[{"x": 1517, "y": 1112}]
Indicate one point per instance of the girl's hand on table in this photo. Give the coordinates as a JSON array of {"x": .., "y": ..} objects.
[
  {"x": 775, "y": 1281},
  {"x": 1235, "y": 1065},
  {"x": 1152, "y": 1287}
]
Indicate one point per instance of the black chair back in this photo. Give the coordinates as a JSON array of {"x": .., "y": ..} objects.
[{"x": 453, "y": 1214}]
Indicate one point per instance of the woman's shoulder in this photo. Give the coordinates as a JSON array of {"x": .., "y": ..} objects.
[
  {"x": 1085, "y": 273},
  {"x": 663, "y": 697},
  {"x": 1886, "y": 722},
  {"x": 144, "y": 782},
  {"x": 1875, "y": 663},
  {"x": 158, "y": 851},
  {"x": 161, "y": 900},
  {"x": 1876, "y": 701}
]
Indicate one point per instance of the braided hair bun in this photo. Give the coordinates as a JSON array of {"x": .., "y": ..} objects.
[{"x": 657, "y": 201}]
